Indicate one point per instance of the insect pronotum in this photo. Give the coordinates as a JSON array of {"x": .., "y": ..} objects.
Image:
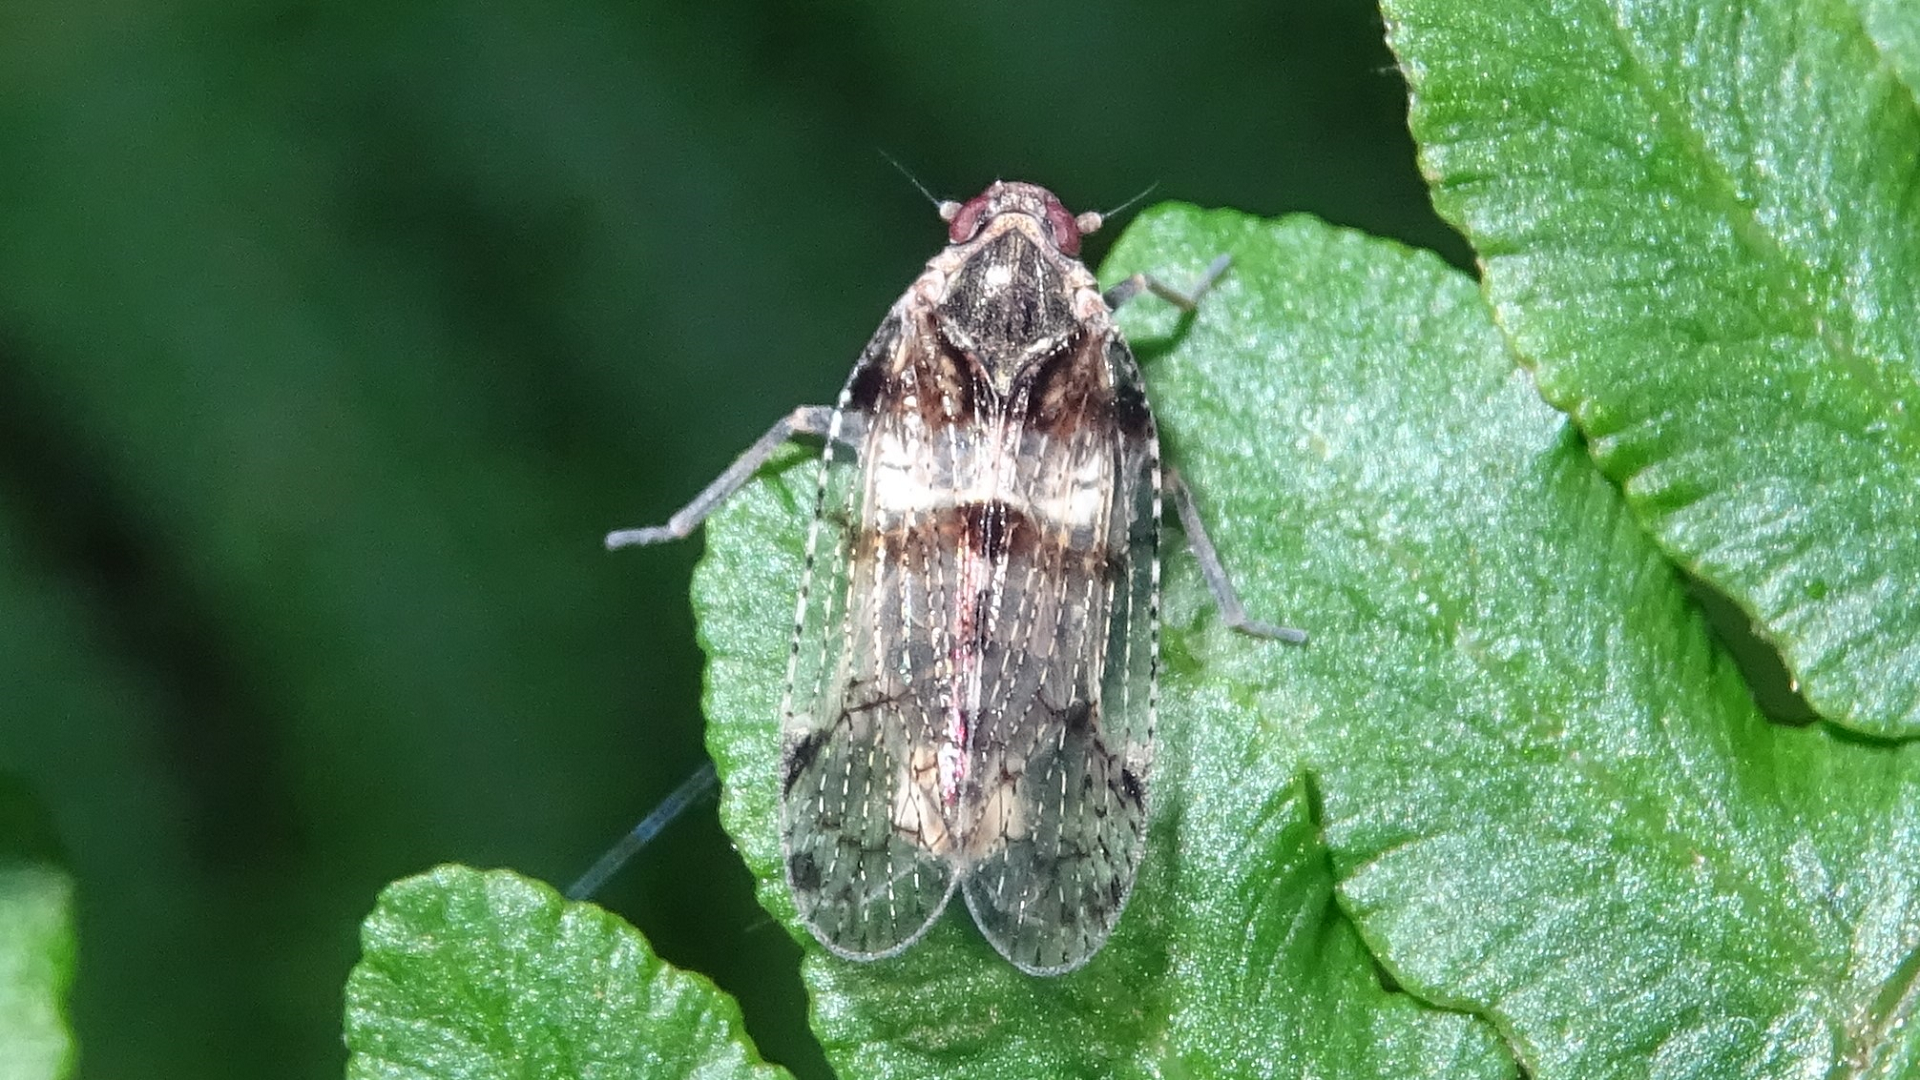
[{"x": 971, "y": 683}]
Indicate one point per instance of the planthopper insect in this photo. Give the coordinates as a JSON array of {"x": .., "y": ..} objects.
[{"x": 971, "y": 681}]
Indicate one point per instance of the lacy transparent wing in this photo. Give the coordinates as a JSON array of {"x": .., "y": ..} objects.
[
  {"x": 862, "y": 841},
  {"x": 1064, "y": 744}
]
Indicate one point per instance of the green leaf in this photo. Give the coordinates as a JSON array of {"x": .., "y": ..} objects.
[
  {"x": 1894, "y": 26},
  {"x": 1231, "y": 959},
  {"x": 36, "y": 942},
  {"x": 469, "y": 973},
  {"x": 1549, "y": 796},
  {"x": 1698, "y": 226}
]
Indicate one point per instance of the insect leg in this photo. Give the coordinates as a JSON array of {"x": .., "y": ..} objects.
[
  {"x": 1185, "y": 301},
  {"x": 1232, "y": 612},
  {"x": 702, "y": 781},
  {"x": 805, "y": 420}
]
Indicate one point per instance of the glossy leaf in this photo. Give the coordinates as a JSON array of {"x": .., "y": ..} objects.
[
  {"x": 469, "y": 974},
  {"x": 1698, "y": 225},
  {"x": 1548, "y": 795},
  {"x": 1894, "y": 26}
]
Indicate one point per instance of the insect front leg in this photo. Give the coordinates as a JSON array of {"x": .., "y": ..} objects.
[
  {"x": 1232, "y": 612},
  {"x": 1185, "y": 301},
  {"x": 816, "y": 420}
]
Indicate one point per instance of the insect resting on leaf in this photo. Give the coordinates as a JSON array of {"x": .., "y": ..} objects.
[{"x": 971, "y": 683}]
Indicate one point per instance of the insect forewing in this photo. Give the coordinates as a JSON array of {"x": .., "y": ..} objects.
[
  {"x": 1064, "y": 762},
  {"x": 863, "y": 841}
]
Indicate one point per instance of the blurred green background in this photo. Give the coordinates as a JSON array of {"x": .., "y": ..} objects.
[{"x": 332, "y": 337}]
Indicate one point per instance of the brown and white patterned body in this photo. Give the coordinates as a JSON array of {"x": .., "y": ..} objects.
[{"x": 970, "y": 699}]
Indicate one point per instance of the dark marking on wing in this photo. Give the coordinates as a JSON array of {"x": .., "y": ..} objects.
[
  {"x": 1067, "y": 391},
  {"x": 1077, "y": 718},
  {"x": 868, "y": 384},
  {"x": 803, "y": 873},
  {"x": 799, "y": 756},
  {"x": 933, "y": 380},
  {"x": 990, "y": 530},
  {"x": 993, "y": 530},
  {"x": 1130, "y": 411}
]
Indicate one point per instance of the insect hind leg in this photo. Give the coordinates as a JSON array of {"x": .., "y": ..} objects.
[
  {"x": 815, "y": 420},
  {"x": 1232, "y": 612},
  {"x": 693, "y": 787}
]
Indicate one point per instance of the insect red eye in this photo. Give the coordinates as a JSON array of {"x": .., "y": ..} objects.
[
  {"x": 966, "y": 222},
  {"x": 1065, "y": 230}
]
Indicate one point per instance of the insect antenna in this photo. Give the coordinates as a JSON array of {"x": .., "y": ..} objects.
[
  {"x": 1091, "y": 221},
  {"x": 675, "y": 804},
  {"x": 1130, "y": 203},
  {"x": 938, "y": 203}
]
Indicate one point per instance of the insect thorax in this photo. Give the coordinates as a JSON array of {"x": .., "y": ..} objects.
[{"x": 1009, "y": 304}]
